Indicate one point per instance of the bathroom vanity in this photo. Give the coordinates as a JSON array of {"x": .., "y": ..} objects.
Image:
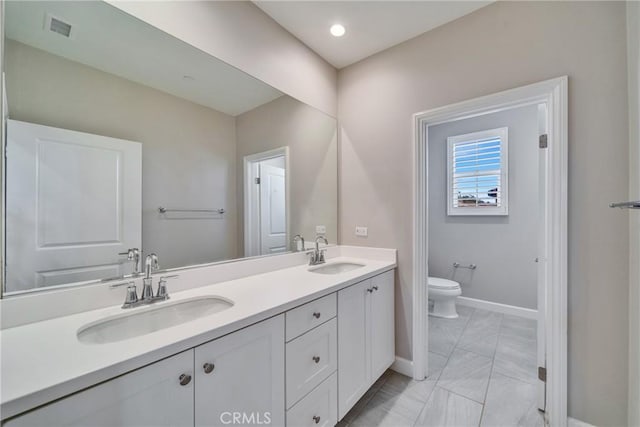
[
  {"x": 142, "y": 151},
  {"x": 295, "y": 346}
]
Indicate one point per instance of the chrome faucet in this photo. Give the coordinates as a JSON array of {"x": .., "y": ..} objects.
[
  {"x": 317, "y": 256},
  {"x": 131, "y": 298},
  {"x": 150, "y": 264},
  {"x": 133, "y": 254},
  {"x": 297, "y": 238}
]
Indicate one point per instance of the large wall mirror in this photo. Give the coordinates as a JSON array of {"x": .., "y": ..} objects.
[{"x": 122, "y": 141}]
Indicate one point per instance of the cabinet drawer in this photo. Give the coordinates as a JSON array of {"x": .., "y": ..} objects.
[
  {"x": 308, "y": 316},
  {"x": 319, "y": 408},
  {"x": 310, "y": 359}
]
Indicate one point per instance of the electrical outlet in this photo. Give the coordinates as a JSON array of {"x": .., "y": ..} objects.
[
  {"x": 321, "y": 229},
  {"x": 362, "y": 231}
]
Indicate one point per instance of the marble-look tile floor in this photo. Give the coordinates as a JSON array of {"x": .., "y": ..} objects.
[{"x": 482, "y": 372}]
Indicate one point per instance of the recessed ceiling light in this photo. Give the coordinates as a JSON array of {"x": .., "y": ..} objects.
[{"x": 337, "y": 30}]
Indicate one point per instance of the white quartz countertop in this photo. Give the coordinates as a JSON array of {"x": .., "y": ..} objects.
[{"x": 44, "y": 361}]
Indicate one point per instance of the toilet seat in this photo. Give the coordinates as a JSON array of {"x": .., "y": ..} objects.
[{"x": 439, "y": 283}]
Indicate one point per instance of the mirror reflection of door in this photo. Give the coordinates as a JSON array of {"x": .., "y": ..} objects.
[
  {"x": 73, "y": 204},
  {"x": 197, "y": 118},
  {"x": 266, "y": 221}
]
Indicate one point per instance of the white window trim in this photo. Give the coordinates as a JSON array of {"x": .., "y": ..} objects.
[{"x": 503, "y": 209}]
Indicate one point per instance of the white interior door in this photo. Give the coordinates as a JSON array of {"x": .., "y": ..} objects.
[
  {"x": 273, "y": 214},
  {"x": 73, "y": 203},
  {"x": 543, "y": 256}
]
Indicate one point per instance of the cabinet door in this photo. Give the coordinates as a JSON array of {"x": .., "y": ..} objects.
[
  {"x": 353, "y": 359},
  {"x": 149, "y": 396},
  {"x": 382, "y": 323},
  {"x": 240, "y": 377}
]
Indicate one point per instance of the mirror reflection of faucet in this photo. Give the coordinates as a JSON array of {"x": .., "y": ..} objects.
[
  {"x": 298, "y": 247},
  {"x": 133, "y": 254}
]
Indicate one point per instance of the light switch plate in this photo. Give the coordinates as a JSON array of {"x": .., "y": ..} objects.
[
  {"x": 362, "y": 231},
  {"x": 321, "y": 229}
]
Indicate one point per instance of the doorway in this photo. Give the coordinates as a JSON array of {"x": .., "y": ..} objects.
[
  {"x": 266, "y": 202},
  {"x": 550, "y": 98}
]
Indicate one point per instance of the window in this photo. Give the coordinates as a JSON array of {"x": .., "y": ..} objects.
[{"x": 477, "y": 173}]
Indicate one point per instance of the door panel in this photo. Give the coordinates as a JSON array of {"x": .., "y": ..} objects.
[
  {"x": 353, "y": 356},
  {"x": 273, "y": 217},
  {"x": 149, "y": 396},
  {"x": 73, "y": 203},
  {"x": 382, "y": 323},
  {"x": 247, "y": 376}
]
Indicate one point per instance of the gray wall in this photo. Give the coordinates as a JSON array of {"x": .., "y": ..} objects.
[
  {"x": 501, "y": 46},
  {"x": 313, "y": 156},
  {"x": 188, "y": 151},
  {"x": 633, "y": 46},
  {"x": 503, "y": 247}
]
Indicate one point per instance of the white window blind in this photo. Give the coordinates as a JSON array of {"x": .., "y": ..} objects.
[{"x": 477, "y": 173}]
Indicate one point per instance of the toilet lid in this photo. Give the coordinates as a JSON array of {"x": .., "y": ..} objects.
[{"x": 437, "y": 282}]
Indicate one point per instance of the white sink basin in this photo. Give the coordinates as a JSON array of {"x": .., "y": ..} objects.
[
  {"x": 152, "y": 319},
  {"x": 336, "y": 268}
]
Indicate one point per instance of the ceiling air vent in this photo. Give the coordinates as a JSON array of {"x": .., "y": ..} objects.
[{"x": 58, "y": 26}]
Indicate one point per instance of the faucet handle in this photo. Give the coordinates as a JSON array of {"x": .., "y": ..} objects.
[
  {"x": 132, "y": 293},
  {"x": 162, "y": 286}
]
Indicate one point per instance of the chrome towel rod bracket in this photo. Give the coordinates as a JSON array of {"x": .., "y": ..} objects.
[
  {"x": 470, "y": 266},
  {"x": 634, "y": 204}
]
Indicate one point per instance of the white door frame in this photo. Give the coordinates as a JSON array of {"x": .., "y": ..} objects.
[
  {"x": 248, "y": 187},
  {"x": 554, "y": 94}
]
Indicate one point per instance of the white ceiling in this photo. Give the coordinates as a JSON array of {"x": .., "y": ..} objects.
[
  {"x": 372, "y": 26},
  {"x": 108, "y": 39}
]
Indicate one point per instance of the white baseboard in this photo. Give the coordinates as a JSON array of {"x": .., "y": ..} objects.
[
  {"x": 498, "y": 308},
  {"x": 403, "y": 366},
  {"x": 572, "y": 422}
]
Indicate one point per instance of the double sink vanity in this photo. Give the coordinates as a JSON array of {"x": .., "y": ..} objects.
[
  {"x": 283, "y": 343},
  {"x": 132, "y": 140}
]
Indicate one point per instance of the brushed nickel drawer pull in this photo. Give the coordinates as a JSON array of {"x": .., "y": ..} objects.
[
  {"x": 208, "y": 368},
  {"x": 316, "y": 419},
  {"x": 316, "y": 314},
  {"x": 316, "y": 359}
]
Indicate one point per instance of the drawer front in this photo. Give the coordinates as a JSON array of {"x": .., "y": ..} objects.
[
  {"x": 319, "y": 408},
  {"x": 306, "y": 317},
  {"x": 311, "y": 358}
]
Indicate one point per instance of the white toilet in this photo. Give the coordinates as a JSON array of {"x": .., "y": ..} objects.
[{"x": 443, "y": 292}]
